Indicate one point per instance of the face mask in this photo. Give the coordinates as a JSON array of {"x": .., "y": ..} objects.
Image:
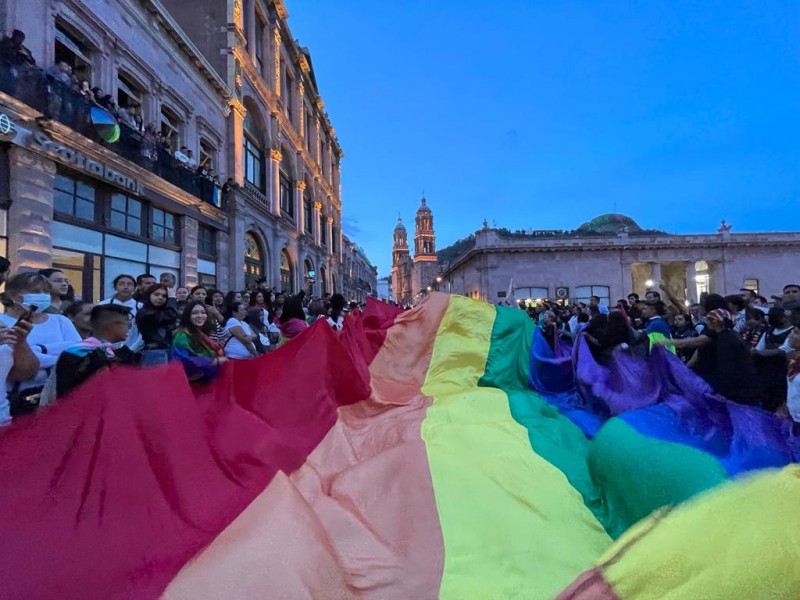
[{"x": 37, "y": 300}]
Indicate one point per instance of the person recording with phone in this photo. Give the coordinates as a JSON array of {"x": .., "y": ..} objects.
[{"x": 25, "y": 295}]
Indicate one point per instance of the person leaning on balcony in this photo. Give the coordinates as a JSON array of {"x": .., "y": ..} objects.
[{"x": 15, "y": 58}]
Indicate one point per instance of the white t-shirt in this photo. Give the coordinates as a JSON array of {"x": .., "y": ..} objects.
[
  {"x": 134, "y": 340},
  {"x": 234, "y": 348},
  {"x": 338, "y": 324},
  {"x": 47, "y": 340}
]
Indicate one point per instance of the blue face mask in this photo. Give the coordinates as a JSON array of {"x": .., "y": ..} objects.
[{"x": 40, "y": 301}]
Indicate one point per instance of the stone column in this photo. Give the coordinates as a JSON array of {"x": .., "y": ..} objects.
[
  {"x": 299, "y": 187},
  {"x": 626, "y": 280},
  {"x": 316, "y": 223},
  {"x": 235, "y": 152},
  {"x": 189, "y": 227},
  {"x": 655, "y": 273},
  {"x": 329, "y": 231},
  {"x": 691, "y": 281},
  {"x": 30, "y": 216},
  {"x": 274, "y": 181}
]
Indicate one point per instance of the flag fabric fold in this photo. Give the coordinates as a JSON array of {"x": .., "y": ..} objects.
[{"x": 410, "y": 457}]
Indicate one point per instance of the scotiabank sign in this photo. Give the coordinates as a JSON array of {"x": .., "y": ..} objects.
[{"x": 81, "y": 162}]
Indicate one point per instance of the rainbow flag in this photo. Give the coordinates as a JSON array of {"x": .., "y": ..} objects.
[{"x": 408, "y": 458}]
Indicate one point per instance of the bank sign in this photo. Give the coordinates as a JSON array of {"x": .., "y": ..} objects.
[{"x": 78, "y": 160}]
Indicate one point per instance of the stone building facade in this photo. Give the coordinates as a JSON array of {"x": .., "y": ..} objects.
[
  {"x": 411, "y": 277},
  {"x": 360, "y": 276},
  {"x": 571, "y": 266},
  {"x": 78, "y": 195},
  {"x": 283, "y": 152}
]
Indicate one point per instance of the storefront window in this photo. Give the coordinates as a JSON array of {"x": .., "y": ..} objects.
[
  {"x": 162, "y": 226},
  {"x": 126, "y": 214},
  {"x": 73, "y": 197},
  {"x": 206, "y": 241},
  {"x": 83, "y": 271}
]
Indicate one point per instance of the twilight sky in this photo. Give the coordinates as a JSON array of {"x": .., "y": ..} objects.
[{"x": 546, "y": 113}]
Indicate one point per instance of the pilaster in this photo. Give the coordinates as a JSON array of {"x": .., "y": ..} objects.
[
  {"x": 30, "y": 216},
  {"x": 273, "y": 183},
  {"x": 316, "y": 224},
  {"x": 299, "y": 188},
  {"x": 189, "y": 228}
]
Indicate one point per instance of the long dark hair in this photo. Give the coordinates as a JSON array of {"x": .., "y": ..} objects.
[
  {"x": 337, "y": 306},
  {"x": 256, "y": 324},
  {"x": 227, "y": 303},
  {"x": 148, "y": 305},
  {"x": 292, "y": 309},
  {"x": 186, "y": 320}
]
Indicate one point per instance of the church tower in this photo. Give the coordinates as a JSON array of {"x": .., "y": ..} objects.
[
  {"x": 426, "y": 264},
  {"x": 401, "y": 266},
  {"x": 424, "y": 237}
]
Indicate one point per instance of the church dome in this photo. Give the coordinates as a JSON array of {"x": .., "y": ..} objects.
[
  {"x": 423, "y": 209},
  {"x": 609, "y": 223},
  {"x": 399, "y": 226}
]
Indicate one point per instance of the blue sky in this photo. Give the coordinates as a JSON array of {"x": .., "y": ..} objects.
[{"x": 545, "y": 114}]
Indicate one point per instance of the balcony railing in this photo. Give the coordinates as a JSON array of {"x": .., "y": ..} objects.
[{"x": 59, "y": 102}]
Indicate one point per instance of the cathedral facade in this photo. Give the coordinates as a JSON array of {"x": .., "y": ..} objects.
[{"x": 411, "y": 276}]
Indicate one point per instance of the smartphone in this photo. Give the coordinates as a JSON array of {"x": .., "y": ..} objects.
[
  {"x": 312, "y": 273},
  {"x": 26, "y": 316}
]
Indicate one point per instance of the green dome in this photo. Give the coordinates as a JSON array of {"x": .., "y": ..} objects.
[{"x": 610, "y": 223}]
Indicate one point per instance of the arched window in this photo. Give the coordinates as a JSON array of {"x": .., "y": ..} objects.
[
  {"x": 323, "y": 277},
  {"x": 253, "y": 260},
  {"x": 287, "y": 195},
  {"x": 287, "y": 276},
  {"x": 333, "y": 283},
  {"x": 253, "y": 152}
]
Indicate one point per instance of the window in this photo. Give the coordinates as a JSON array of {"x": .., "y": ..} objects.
[
  {"x": 287, "y": 275},
  {"x": 74, "y": 50},
  {"x": 253, "y": 260},
  {"x": 287, "y": 197},
  {"x": 309, "y": 128},
  {"x": 126, "y": 214},
  {"x": 259, "y": 43},
  {"x": 170, "y": 124},
  {"x": 583, "y": 293},
  {"x": 322, "y": 162},
  {"x": 253, "y": 153},
  {"x": 129, "y": 92},
  {"x": 525, "y": 293},
  {"x": 208, "y": 154},
  {"x": 334, "y": 240},
  {"x": 207, "y": 241},
  {"x": 323, "y": 229},
  {"x": 73, "y": 197},
  {"x": 308, "y": 216},
  {"x": 162, "y": 226}
]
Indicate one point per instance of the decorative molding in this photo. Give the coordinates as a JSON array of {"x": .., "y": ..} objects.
[
  {"x": 276, "y": 58},
  {"x": 301, "y": 89},
  {"x": 237, "y": 107},
  {"x": 330, "y": 220},
  {"x": 280, "y": 9},
  {"x": 301, "y": 185},
  {"x": 275, "y": 155},
  {"x": 302, "y": 62},
  {"x": 320, "y": 104},
  {"x": 318, "y": 205}
]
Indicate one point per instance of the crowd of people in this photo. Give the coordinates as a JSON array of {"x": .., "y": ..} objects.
[
  {"x": 747, "y": 349},
  {"x": 51, "y": 343},
  {"x": 64, "y": 95}
]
